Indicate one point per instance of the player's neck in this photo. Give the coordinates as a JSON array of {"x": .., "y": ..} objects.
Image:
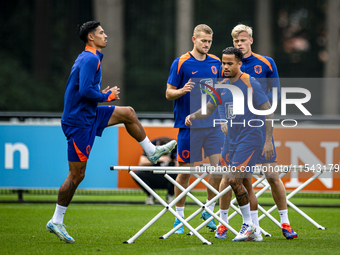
[
  {"x": 197, "y": 55},
  {"x": 94, "y": 46},
  {"x": 247, "y": 55},
  {"x": 236, "y": 77}
]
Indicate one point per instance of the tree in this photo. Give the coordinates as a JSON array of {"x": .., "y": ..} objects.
[
  {"x": 110, "y": 14},
  {"x": 331, "y": 89}
]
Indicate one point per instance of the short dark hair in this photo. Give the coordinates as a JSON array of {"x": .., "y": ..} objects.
[
  {"x": 233, "y": 51},
  {"x": 86, "y": 28}
]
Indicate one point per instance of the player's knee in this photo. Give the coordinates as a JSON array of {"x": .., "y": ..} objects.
[
  {"x": 130, "y": 113},
  {"x": 233, "y": 182},
  {"x": 77, "y": 178},
  {"x": 273, "y": 181},
  {"x": 224, "y": 183},
  {"x": 214, "y": 180},
  {"x": 77, "y": 173},
  {"x": 81, "y": 177},
  {"x": 183, "y": 178}
]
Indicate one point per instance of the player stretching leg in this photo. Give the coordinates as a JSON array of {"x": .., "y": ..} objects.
[{"x": 83, "y": 120}]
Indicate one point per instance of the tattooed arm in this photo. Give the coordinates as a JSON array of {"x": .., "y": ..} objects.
[{"x": 198, "y": 114}]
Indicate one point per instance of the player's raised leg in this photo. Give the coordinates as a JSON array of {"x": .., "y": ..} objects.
[{"x": 127, "y": 116}]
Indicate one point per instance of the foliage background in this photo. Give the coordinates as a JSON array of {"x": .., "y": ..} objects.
[{"x": 38, "y": 46}]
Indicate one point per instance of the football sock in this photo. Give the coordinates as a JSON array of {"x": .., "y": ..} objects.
[
  {"x": 180, "y": 211},
  {"x": 212, "y": 206},
  {"x": 148, "y": 146},
  {"x": 58, "y": 216},
  {"x": 255, "y": 218},
  {"x": 284, "y": 216},
  {"x": 224, "y": 215},
  {"x": 245, "y": 209}
]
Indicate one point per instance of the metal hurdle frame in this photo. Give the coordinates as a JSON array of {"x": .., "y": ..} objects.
[
  {"x": 237, "y": 210},
  {"x": 200, "y": 178},
  {"x": 183, "y": 170},
  {"x": 213, "y": 215},
  {"x": 293, "y": 193},
  {"x": 202, "y": 206},
  {"x": 167, "y": 207},
  {"x": 284, "y": 170}
]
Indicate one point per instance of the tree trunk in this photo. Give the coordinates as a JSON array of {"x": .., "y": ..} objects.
[
  {"x": 263, "y": 30},
  {"x": 110, "y": 14},
  {"x": 331, "y": 90},
  {"x": 42, "y": 39},
  {"x": 184, "y": 26}
]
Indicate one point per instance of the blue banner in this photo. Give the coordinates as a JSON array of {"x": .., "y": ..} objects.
[{"x": 35, "y": 156}]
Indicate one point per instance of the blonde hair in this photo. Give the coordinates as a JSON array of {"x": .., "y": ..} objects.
[
  {"x": 202, "y": 28},
  {"x": 241, "y": 28}
]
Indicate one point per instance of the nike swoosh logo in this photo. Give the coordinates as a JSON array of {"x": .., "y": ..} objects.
[
  {"x": 223, "y": 93},
  {"x": 194, "y": 72}
]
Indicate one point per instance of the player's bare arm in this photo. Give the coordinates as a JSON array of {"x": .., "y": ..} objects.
[
  {"x": 173, "y": 93},
  {"x": 268, "y": 148},
  {"x": 198, "y": 114}
]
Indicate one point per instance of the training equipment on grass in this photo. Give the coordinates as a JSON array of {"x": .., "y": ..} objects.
[{"x": 200, "y": 173}]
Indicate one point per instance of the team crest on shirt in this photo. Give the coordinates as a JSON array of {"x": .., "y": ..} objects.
[
  {"x": 207, "y": 88},
  {"x": 229, "y": 109},
  {"x": 204, "y": 88},
  {"x": 258, "y": 69},
  {"x": 214, "y": 69},
  {"x": 227, "y": 157}
]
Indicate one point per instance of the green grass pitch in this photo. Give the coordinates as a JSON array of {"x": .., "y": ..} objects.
[{"x": 102, "y": 228}]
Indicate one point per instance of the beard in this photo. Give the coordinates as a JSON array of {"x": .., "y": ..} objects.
[
  {"x": 227, "y": 76},
  {"x": 202, "y": 51}
]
